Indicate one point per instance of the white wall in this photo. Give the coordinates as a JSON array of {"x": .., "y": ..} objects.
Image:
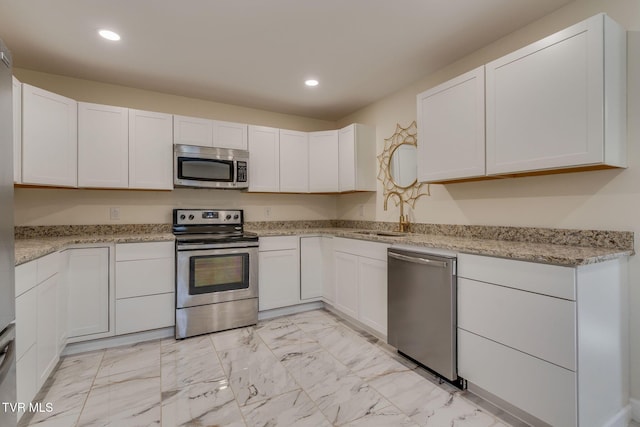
[{"x": 607, "y": 200}]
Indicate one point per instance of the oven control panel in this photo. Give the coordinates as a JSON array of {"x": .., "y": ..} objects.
[{"x": 207, "y": 216}]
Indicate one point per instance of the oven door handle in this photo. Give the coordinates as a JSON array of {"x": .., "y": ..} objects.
[{"x": 181, "y": 247}]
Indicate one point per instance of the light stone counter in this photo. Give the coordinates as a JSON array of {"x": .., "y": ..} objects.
[
  {"x": 565, "y": 255},
  {"x": 29, "y": 249},
  {"x": 549, "y": 246}
]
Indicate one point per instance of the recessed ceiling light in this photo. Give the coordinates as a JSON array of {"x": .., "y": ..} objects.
[
  {"x": 311, "y": 82},
  {"x": 109, "y": 35}
]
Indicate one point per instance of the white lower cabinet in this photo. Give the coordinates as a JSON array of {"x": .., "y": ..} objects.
[
  {"x": 145, "y": 286},
  {"x": 47, "y": 329},
  {"x": 346, "y": 266},
  {"x": 372, "y": 293},
  {"x": 38, "y": 333},
  {"x": 360, "y": 270},
  {"x": 546, "y": 339},
  {"x": 279, "y": 272},
  {"x": 89, "y": 302},
  {"x": 315, "y": 271}
]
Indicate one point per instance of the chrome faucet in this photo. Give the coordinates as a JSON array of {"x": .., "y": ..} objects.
[{"x": 403, "y": 223}]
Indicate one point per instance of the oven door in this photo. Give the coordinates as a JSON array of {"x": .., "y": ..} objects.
[{"x": 207, "y": 276}]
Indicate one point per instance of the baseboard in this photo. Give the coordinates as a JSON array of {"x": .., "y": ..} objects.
[
  {"x": 285, "y": 311},
  {"x": 101, "y": 344},
  {"x": 621, "y": 419},
  {"x": 635, "y": 410}
]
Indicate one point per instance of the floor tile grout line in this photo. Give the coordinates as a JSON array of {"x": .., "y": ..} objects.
[
  {"x": 228, "y": 379},
  {"x": 302, "y": 389},
  {"x": 89, "y": 390}
]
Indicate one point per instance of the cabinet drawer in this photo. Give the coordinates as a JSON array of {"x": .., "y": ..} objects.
[
  {"x": 542, "y": 389},
  {"x": 47, "y": 266},
  {"x": 146, "y": 277},
  {"x": 26, "y": 277},
  {"x": 361, "y": 248},
  {"x": 536, "y": 324},
  {"x": 145, "y": 313},
  {"x": 544, "y": 279},
  {"x": 26, "y": 321},
  {"x": 146, "y": 250},
  {"x": 278, "y": 243}
]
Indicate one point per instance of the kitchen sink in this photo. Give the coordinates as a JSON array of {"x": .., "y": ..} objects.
[{"x": 382, "y": 233}]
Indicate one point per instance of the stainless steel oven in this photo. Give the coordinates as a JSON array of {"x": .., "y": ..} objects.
[{"x": 216, "y": 272}]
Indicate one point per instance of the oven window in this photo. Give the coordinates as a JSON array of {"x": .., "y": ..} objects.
[
  {"x": 205, "y": 170},
  {"x": 217, "y": 273}
]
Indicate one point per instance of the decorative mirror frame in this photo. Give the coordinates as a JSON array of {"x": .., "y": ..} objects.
[{"x": 412, "y": 192}]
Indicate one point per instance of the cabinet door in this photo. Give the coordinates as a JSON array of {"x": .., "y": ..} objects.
[
  {"x": 88, "y": 287},
  {"x": 294, "y": 161},
  {"x": 150, "y": 150},
  {"x": 49, "y": 138},
  {"x": 372, "y": 289},
  {"x": 192, "y": 131},
  {"x": 312, "y": 270},
  {"x": 451, "y": 141},
  {"x": 547, "y": 103},
  {"x": 264, "y": 159},
  {"x": 329, "y": 276},
  {"x": 26, "y": 321},
  {"x": 230, "y": 135},
  {"x": 346, "y": 159},
  {"x": 26, "y": 378},
  {"x": 103, "y": 146},
  {"x": 17, "y": 131},
  {"x": 47, "y": 325},
  {"x": 279, "y": 279},
  {"x": 323, "y": 162},
  {"x": 346, "y": 283}
]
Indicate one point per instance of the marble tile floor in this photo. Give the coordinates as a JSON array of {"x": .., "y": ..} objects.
[{"x": 307, "y": 369}]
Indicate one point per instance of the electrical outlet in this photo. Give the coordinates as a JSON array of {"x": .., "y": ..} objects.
[
  {"x": 361, "y": 210},
  {"x": 114, "y": 214},
  {"x": 267, "y": 212}
]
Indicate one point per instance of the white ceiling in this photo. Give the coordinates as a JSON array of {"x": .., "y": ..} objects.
[{"x": 257, "y": 53}]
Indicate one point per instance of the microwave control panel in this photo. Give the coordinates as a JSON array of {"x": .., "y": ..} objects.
[{"x": 242, "y": 172}]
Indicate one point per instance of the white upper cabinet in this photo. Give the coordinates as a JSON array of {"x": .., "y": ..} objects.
[
  {"x": 451, "y": 141},
  {"x": 323, "y": 161},
  {"x": 230, "y": 135},
  {"x": 356, "y": 158},
  {"x": 294, "y": 161},
  {"x": 192, "y": 131},
  {"x": 209, "y": 133},
  {"x": 17, "y": 131},
  {"x": 264, "y": 159},
  {"x": 49, "y": 138},
  {"x": 560, "y": 102},
  {"x": 103, "y": 146},
  {"x": 150, "y": 150}
]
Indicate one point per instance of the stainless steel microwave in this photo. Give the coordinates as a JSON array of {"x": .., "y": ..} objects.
[{"x": 207, "y": 167}]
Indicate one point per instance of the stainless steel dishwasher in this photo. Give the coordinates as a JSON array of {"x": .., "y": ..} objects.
[{"x": 422, "y": 303}]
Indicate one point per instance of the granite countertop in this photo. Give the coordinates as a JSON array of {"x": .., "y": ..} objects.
[
  {"x": 546, "y": 253},
  {"x": 28, "y": 249},
  {"x": 550, "y": 246}
]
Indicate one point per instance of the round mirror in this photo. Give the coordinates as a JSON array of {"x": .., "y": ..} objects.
[{"x": 402, "y": 165}]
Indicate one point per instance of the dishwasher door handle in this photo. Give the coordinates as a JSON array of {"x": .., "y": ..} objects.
[{"x": 424, "y": 261}]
